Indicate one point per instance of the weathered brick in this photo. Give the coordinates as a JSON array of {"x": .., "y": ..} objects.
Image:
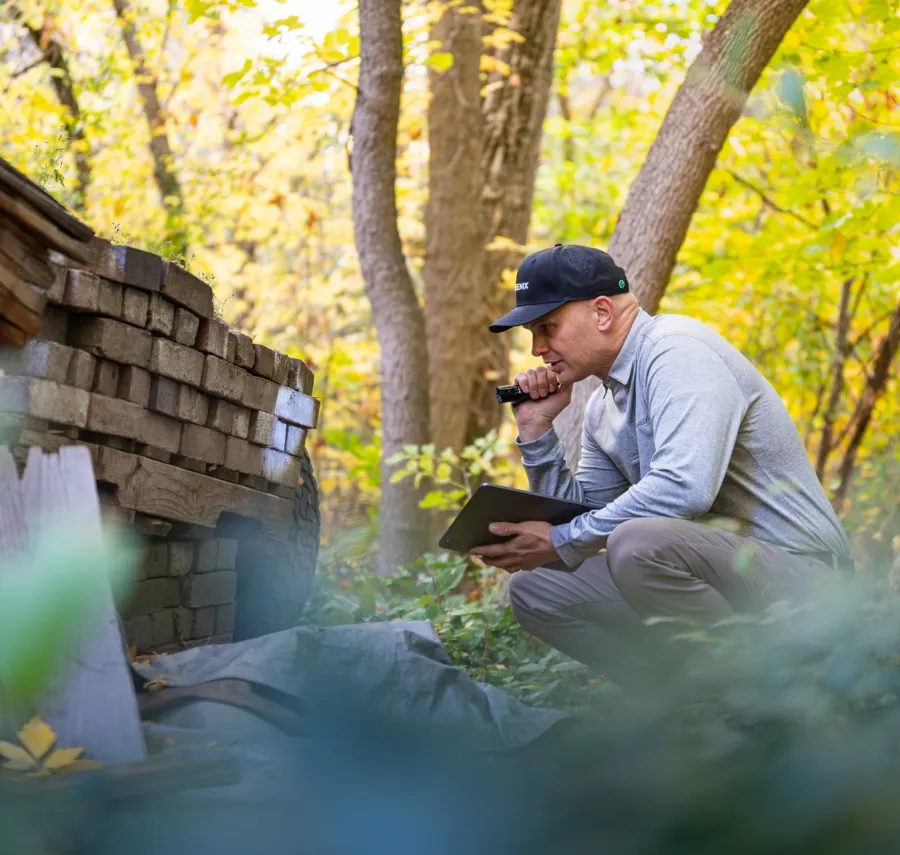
[
  {"x": 203, "y": 443},
  {"x": 242, "y": 422},
  {"x": 156, "y": 561},
  {"x": 295, "y": 441},
  {"x": 296, "y": 408},
  {"x": 176, "y": 361},
  {"x": 181, "y": 557},
  {"x": 184, "y": 330},
  {"x": 54, "y": 325},
  {"x": 115, "y": 417},
  {"x": 163, "y": 627},
  {"x": 81, "y": 370},
  {"x": 106, "y": 378},
  {"x": 245, "y": 353},
  {"x": 209, "y": 589},
  {"x": 204, "y": 624},
  {"x": 58, "y": 287},
  {"x": 47, "y": 360},
  {"x": 300, "y": 377},
  {"x": 153, "y": 452},
  {"x": 254, "y": 482},
  {"x": 213, "y": 337},
  {"x": 163, "y": 395},
  {"x": 225, "y": 616},
  {"x": 206, "y": 556},
  {"x": 160, "y": 431},
  {"x": 261, "y": 430},
  {"x": 265, "y": 361},
  {"x": 88, "y": 293},
  {"x": 231, "y": 350},
  {"x": 189, "y": 463},
  {"x": 153, "y": 595},
  {"x": 117, "y": 442},
  {"x": 127, "y": 264},
  {"x": 224, "y": 474},
  {"x": 191, "y": 405},
  {"x": 186, "y": 289},
  {"x": 135, "y": 307},
  {"x": 281, "y": 430},
  {"x": 221, "y": 416},
  {"x": 160, "y": 315},
  {"x": 139, "y": 632},
  {"x": 280, "y": 468},
  {"x": 227, "y": 554},
  {"x": 222, "y": 378},
  {"x": 43, "y": 399},
  {"x": 134, "y": 385},
  {"x": 111, "y": 339},
  {"x": 281, "y": 369},
  {"x": 259, "y": 393},
  {"x": 184, "y": 623},
  {"x": 243, "y": 457}
]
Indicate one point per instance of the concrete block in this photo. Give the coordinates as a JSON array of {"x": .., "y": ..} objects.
[
  {"x": 134, "y": 385},
  {"x": 300, "y": 377},
  {"x": 259, "y": 393},
  {"x": 151, "y": 526},
  {"x": 88, "y": 293},
  {"x": 184, "y": 330},
  {"x": 163, "y": 395},
  {"x": 296, "y": 408},
  {"x": 209, "y": 589},
  {"x": 58, "y": 287},
  {"x": 265, "y": 361},
  {"x": 280, "y": 468},
  {"x": 225, "y": 618},
  {"x": 261, "y": 430},
  {"x": 156, "y": 562},
  {"x": 224, "y": 474},
  {"x": 176, "y": 361},
  {"x": 181, "y": 557},
  {"x": 245, "y": 353},
  {"x": 221, "y": 416},
  {"x": 47, "y": 360},
  {"x": 241, "y": 422},
  {"x": 81, "y": 370},
  {"x": 184, "y": 623},
  {"x": 295, "y": 441},
  {"x": 111, "y": 339},
  {"x": 43, "y": 399},
  {"x": 202, "y": 443},
  {"x": 186, "y": 289},
  {"x": 189, "y": 463},
  {"x": 115, "y": 417},
  {"x": 153, "y": 453},
  {"x": 160, "y": 431},
  {"x": 106, "y": 378},
  {"x": 54, "y": 325},
  {"x": 213, "y": 337},
  {"x": 135, "y": 307},
  {"x": 222, "y": 379},
  {"x": 243, "y": 457},
  {"x": 191, "y": 405},
  {"x": 128, "y": 264},
  {"x": 139, "y": 632},
  {"x": 207, "y": 556},
  {"x": 163, "y": 627},
  {"x": 153, "y": 595},
  {"x": 254, "y": 482},
  {"x": 204, "y": 624},
  {"x": 231, "y": 350},
  {"x": 282, "y": 367},
  {"x": 160, "y": 315},
  {"x": 227, "y": 554},
  {"x": 281, "y": 430}
]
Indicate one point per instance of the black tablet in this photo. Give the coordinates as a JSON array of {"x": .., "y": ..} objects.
[{"x": 490, "y": 503}]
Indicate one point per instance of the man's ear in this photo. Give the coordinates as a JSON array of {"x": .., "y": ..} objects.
[{"x": 604, "y": 312}]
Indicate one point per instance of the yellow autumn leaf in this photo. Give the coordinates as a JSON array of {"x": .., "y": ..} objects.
[
  {"x": 37, "y": 736},
  {"x": 62, "y": 757},
  {"x": 16, "y": 757}
]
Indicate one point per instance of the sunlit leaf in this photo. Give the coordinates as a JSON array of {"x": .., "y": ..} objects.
[{"x": 37, "y": 736}]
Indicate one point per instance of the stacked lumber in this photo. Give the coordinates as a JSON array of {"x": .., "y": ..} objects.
[
  {"x": 186, "y": 421},
  {"x": 31, "y": 223}
]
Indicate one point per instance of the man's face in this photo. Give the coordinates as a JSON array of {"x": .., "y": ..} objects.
[{"x": 566, "y": 340}]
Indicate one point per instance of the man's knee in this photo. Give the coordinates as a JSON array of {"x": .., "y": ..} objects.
[
  {"x": 523, "y": 596},
  {"x": 630, "y": 545}
]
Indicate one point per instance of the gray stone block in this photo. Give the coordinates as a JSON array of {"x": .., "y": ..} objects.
[{"x": 209, "y": 589}]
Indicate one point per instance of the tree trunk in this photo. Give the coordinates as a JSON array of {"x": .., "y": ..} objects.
[
  {"x": 61, "y": 80},
  {"x": 662, "y": 200},
  {"x": 511, "y": 142},
  {"x": 398, "y": 318},
  {"x": 163, "y": 161},
  {"x": 453, "y": 246}
]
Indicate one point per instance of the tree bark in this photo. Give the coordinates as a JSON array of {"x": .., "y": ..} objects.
[
  {"x": 163, "y": 162},
  {"x": 513, "y": 115},
  {"x": 453, "y": 245},
  {"x": 61, "y": 80},
  {"x": 398, "y": 318},
  {"x": 876, "y": 383},
  {"x": 663, "y": 198}
]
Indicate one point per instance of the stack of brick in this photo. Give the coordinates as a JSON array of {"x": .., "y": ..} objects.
[{"x": 186, "y": 420}]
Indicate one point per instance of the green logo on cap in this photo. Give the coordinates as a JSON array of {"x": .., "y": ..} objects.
[{"x": 621, "y": 283}]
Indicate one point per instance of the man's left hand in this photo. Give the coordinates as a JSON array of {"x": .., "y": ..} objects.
[{"x": 530, "y": 547}]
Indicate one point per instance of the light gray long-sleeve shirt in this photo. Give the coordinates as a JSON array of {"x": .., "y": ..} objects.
[{"x": 685, "y": 426}]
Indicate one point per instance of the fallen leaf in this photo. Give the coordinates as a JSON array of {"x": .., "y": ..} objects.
[
  {"x": 62, "y": 757},
  {"x": 17, "y": 758},
  {"x": 37, "y": 736}
]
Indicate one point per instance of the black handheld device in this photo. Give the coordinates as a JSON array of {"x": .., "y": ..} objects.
[{"x": 511, "y": 394}]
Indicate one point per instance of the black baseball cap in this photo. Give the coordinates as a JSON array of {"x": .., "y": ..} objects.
[{"x": 552, "y": 277}]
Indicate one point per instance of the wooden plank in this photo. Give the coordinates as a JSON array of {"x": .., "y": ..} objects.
[
  {"x": 93, "y": 705},
  {"x": 23, "y": 263},
  {"x": 34, "y": 222},
  {"x": 12, "y": 309},
  {"x": 162, "y": 490},
  {"x": 11, "y": 335},
  {"x": 19, "y": 185}
]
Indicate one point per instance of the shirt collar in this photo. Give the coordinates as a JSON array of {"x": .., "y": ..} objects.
[{"x": 620, "y": 373}]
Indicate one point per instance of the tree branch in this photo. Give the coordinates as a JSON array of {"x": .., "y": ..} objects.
[{"x": 768, "y": 200}]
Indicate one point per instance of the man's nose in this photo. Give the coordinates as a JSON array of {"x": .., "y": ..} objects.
[{"x": 538, "y": 346}]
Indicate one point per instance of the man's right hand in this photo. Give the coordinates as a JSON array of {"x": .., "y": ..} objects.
[{"x": 548, "y": 400}]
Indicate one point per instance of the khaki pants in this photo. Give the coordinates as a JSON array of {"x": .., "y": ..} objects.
[{"x": 654, "y": 567}]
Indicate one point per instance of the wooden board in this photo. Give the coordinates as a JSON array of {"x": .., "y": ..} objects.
[
  {"x": 45, "y": 229},
  {"x": 161, "y": 490},
  {"x": 16, "y": 184},
  {"x": 92, "y": 705}
]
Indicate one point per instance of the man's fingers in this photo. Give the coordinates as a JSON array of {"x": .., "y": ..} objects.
[{"x": 503, "y": 528}]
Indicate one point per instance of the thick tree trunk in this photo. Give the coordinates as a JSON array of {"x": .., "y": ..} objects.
[
  {"x": 163, "y": 161},
  {"x": 395, "y": 308},
  {"x": 662, "y": 200},
  {"x": 511, "y": 142},
  {"x": 61, "y": 80},
  {"x": 453, "y": 246}
]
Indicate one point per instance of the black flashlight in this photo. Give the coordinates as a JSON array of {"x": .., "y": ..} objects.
[{"x": 511, "y": 394}]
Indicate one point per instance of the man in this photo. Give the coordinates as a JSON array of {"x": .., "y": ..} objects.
[{"x": 706, "y": 501}]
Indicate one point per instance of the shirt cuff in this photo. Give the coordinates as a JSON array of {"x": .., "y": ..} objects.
[
  {"x": 538, "y": 452},
  {"x": 561, "y": 537}
]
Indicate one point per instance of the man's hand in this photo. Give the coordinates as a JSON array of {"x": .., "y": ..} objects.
[
  {"x": 548, "y": 399},
  {"x": 530, "y": 547}
]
